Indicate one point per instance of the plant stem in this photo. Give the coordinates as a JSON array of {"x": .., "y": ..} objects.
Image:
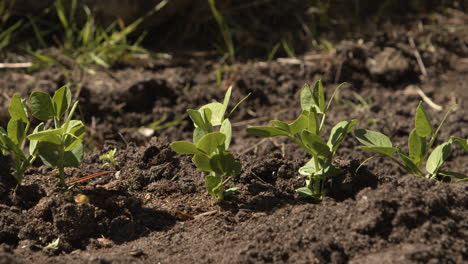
[{"x": 433, "y": 138}]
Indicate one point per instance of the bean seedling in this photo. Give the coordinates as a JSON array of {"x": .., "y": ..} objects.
[
  {"x": 210, "y": 148},
  {"x": 110, "y": 157},
  {"x": 61, "y": 145},
  {"x": 306, "y": 131},
  {"x": 420, "y": 142},
  {"x": 13, "y": 139}
]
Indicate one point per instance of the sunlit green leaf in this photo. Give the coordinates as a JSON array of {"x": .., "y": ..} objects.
[
  {"x": 422, "y": 122},
  {"x": 198, "y": 133},
  {"x": 319, "y": 96},
  {"x": 301, "y": 123},
  {"x": 307, "y": 100},
  {"x": 50, "y": 155},
  {"x": 17, "y": 109},
  {"x": 309, "y": 168},
  {"x": 416, "y": 147},
  {"x": 372, "y": 138},
  {"x": 453, "y": 174},
  {"x": 62, "y": 100},
  {"x": 10, "y": 146},
  {"x": 225, "y": 164},
  {"x": 214, "y": 185},
  {"x": 266, "y": 131},
  {"x": 50, "y": 135},
  {"x": 197, "y": 119},
  {"x": 437, "y": 157},
  {"x": 226, "y": 129},
  {"x": 280, "y": 124},
  {"x": 304, "y": 192},
  {"x": 315, "y": 144},
  {"x": 338, "y": 133},
  {"x": 41, "y": 106},
  {"x": 210, "y": 142},
  {"x": 16, "y": 130},
  {"x": 410, "y": 166},
  {"x": 227, "y": 97},
  {"x": 202, "y": 162},
  {"x": 217, "y": 113},
  {"x": 184, "y": 147}
]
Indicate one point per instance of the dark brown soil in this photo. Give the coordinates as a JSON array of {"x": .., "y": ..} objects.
[{"x": 155, "y": 208}]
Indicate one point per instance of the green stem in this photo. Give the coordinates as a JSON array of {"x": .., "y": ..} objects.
[
  {"x": 434, "y": 136},
  {"x": 60, "y": 164},
  {"x": 322, "y": 122}
]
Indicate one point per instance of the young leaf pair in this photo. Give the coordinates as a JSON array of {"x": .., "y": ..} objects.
[
  {"x": 306, "y": 132},
  {"x": 210, "y": 147},
  {"x": 419, "y": 147}
]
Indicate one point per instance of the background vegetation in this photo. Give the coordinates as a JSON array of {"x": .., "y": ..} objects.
[{"x": 242, "y": 29}]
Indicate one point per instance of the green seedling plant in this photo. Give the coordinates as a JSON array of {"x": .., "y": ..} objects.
[
  {"x": 420, "y": 142},
  {"x": 210, "y": 145},
  {"x": 306, "y": 132},
  {"x": 12, "y": 140},
  {"x": 60, "y": 145},
  {"x": 110, "y": 157}
]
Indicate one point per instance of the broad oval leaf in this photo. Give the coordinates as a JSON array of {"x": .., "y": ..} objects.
[
  {"x": 197, "y": 118},
  {"x": 225, "y": 164},
  {"x": 301, "y": 123},
  {"x": 422, "y": 122},
  {"x": 75, "y": 134},
  {"x": 338, "y": 133},
  {"x": 202, "y": 162},
  {"x": 184, "y": 147},
  {"x": 410, "y": 166},
  {"x": 210, "y": 142},
  {"x": 50, "y": 155},
  {"x": 281, "y": 125},
  {"x": 8, "y": 145},
  {"x": 416, "y": 147},
  {"x": 41, "y": 106},
  {"x": 313, "y": 125},
  {"x": 17, "y": 109},
  {"x": 387, "y": 151},
  {"x": 454, "y": 175},
  {"x": 266, "y": 131},
  {"x": 319, "y": 96},
  {"x": 308, "y": 169},
  {"x": 16, "y": 131},
  {"x": 217, "y": 113},
  {"x": 304, "y": 192},
  {"x": 437, "y": 158},
  {"x": 226, "y": 129},
  {"x": 50, "y": 135},
  {"x": 214, "y": 185},
  {"x": 198, "y": 133},
  {"x": 372, "y": 138},
  {"x": 227, "y": 97},
  {"x": 61, "y": 100},
  {"x": 315, "y": 144},
  {"x": 307, "y": 100}
]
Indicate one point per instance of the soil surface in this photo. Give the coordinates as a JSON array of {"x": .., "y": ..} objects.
[{"x": 155, "y": 209}]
